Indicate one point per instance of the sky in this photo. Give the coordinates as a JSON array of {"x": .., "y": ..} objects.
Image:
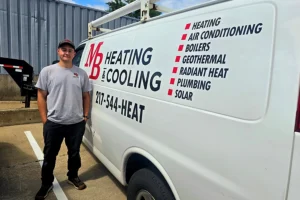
[{"x": 173, "y": 4}]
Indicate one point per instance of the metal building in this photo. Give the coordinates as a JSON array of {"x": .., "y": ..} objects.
[{"x": 31, "y": 29}]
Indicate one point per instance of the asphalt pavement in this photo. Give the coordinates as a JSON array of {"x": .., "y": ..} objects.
[{"x": 20, "y": 169}]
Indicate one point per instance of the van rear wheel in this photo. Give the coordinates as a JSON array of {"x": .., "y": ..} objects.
[{"x": 148, "y": 185}]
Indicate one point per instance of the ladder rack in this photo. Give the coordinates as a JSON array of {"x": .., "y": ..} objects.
[{"x": 143, "y": 5}]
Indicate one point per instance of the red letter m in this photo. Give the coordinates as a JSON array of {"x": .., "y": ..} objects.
[{"x": 95, "y": 58}]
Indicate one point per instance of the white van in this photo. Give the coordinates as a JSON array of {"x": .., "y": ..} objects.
[{"x": 200, "y": 103}]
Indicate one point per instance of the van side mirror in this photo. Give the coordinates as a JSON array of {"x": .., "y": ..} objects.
[{"x": 55, "y": 61}]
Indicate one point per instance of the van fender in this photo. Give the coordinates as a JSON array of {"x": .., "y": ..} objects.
[{"x": 144, "y": 153}]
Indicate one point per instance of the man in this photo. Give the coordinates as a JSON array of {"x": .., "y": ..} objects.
[{"x": 63, "y": 102}]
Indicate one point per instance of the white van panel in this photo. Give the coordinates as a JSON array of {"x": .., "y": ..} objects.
[
  {"x": 226, "y": 73},
  {"x": 233, "y": 141}
]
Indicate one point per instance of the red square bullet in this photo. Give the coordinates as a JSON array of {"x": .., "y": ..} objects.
[
  {"x": 187, "y": 26},
  {"x": 172, "y": 81},
  {"x": 175, "y": 70},
  {"x": 170, "y": 92},
  {"x": 184, "y": 37},
  {"x": 177, "y": 59},
  {"x": 180, "y": 48}
]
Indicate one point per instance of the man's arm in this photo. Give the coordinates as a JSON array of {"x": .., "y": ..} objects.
[
  {"x": 86, "y": 103},
  {"x": 42, "y": 104}
]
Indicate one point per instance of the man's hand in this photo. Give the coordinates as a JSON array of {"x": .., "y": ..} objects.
[
  {"x": 86, "y": 104},
  {"x": 42, "y": 104},
  {"x": 85, "y": 119}
]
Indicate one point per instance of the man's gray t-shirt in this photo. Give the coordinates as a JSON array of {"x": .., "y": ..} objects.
[{"x": 65, "y": 87}]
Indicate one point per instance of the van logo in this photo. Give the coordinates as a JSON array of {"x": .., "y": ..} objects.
[{"x": 94, "y": 60}]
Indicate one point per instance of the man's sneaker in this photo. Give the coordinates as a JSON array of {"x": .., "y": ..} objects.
[
  {"x": 78, "y": 184},
  {"x": 43, "y": 192}
]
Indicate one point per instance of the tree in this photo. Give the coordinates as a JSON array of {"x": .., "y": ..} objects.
[{"x": 116, "y": 4}]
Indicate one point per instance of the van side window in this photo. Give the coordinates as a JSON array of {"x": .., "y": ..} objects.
[{"x": 77, "y": 58}]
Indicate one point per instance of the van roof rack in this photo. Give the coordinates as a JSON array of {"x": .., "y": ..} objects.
[{"x": 144, "y": 5}]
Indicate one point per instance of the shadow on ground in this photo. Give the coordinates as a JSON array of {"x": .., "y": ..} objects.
[
  {"x": 99, "y": 171},
  {"x": 19, "y": 174}
]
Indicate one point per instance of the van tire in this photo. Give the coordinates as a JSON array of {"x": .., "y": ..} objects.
[{"x": 146, "y": 179}]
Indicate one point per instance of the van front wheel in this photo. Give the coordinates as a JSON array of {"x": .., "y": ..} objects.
[{"x": 147, "y": 185}]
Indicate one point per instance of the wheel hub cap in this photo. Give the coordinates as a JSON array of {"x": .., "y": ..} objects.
[{"x": 144, "y": 195}]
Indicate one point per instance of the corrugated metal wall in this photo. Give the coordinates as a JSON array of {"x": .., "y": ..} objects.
[{"x": 31, "y": 29}]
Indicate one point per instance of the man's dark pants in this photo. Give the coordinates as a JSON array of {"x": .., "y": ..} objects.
[{"x": 53, "y": 136}]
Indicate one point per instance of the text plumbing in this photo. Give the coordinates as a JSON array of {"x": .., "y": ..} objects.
[{"x": 133, "y": 74}]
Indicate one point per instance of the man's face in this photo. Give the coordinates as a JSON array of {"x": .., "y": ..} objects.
[{"x": 66, "y": 53}]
